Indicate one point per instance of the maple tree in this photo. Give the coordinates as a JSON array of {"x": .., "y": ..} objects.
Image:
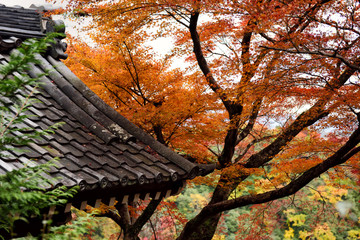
[{"x": 263, "y": 76}]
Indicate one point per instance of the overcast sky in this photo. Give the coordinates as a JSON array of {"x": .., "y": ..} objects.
[{"x": 23, "y": 3}]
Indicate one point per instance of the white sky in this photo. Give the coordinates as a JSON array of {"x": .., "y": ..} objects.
[{"x": 23, "y": 3}]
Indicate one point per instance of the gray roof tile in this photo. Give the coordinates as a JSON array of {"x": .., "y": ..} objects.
[
  {"x": 68, "y": 164},
  {"x": 108, "y": 175},
  {"x": 88, "y": 178},
  {"x": 81, "y": 148},
  {"x": 18, "y": 164},
  {"x": 8, "y": 156},
  {"x": 134, "y": 145},
  {"x": 99, "y": 150},
  {"x": 92, "y": 161},
  {"x": 146, "y": 158},
  {"x": 6, "y": 166},
  {"x": 122, "y": 175},
  {"x": 139, "y": 175},
  {"x": 27, "y": 162},
  {"x": 62, "y": 136},
  {"x": 132, "y": 157},
  {"x": 66, "y": 178},
  {"x": 64, "y": 149},
  {"x": 114, "y": 150},
  {"x": 114, "y": 160},
  {"x": 37, "y": 148}
]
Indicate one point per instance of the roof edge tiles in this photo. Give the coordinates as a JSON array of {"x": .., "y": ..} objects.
[
  {"x": 191, "y": 168},
  {"x": 20, "y": 33},
  {"x": 10, "y": 43}
]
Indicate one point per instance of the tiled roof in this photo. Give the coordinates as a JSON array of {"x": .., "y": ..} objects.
[
  {"x": 98, "y": 149},
  {"x": 20, "y": 22}
]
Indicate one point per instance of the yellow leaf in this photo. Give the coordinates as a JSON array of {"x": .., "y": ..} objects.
[
  {"x": 354, "y": 234},
  {"x": 289, "y": 234},
  {"x": 303, "y": 235}
]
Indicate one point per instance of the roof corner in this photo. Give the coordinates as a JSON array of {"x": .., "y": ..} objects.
[{"x": 18, "y": 24}]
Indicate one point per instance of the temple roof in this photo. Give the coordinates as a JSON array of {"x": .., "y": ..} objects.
[{"x": 98, "y": 149}]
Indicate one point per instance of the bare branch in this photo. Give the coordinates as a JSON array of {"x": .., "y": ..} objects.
[{"x": 321, "y": 53}]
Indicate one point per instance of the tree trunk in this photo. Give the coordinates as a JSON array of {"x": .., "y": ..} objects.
[
  {"x": 130, "y": 236},
  {"x": 203, "y": 226}
]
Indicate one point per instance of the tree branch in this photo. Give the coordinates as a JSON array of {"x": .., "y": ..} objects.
[
  {"x": 234, "y": 109},
  {"x": 254, "y": 113},
  {"x": 144, "y": 217},
  {"x": 136, "y": 79},
  {"x": 307, "y": 118},
  {"x": 123, "y": 210},
  {"x": 321, "y": 53},
  {"x": 203, "y": 63},
  {"x": 341, "y": 156}
]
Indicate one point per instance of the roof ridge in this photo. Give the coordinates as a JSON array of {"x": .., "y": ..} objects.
[
  {"x": 75, "y": 95},
  {"x": 77, "y": 84},
  {"x": 24, "y": 23},
  {"x": 191, "y": 168}
]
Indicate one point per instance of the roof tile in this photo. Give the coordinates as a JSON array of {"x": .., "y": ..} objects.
[
  {"x": 69, "y": 164},
  {"x": 63, "y": 135},
  {"x": 78, "y": 137},
  {"x": 90, "y": 180},
  {"x": 37, "y": 148},
  {"x": 6, "y": 166},
  {"x": 132, "y": 157},
  {"x": 92, "y": 161},
  {"x": 140, "y": 176},
  {"x": 8, "y": 156},
  {"x": 95, "y": 148},
  {"x": 27, "y": 162},
  {"x": 102, "y": 180},
  {"x": 122, "y": 174},
  {"x": 117, "y": 160},
  {"x": 66, "y": 178},
  {"x": 62, "y": 149},
  {"x": 108, "y": 175},
  {"x": 81, "y": 148}
]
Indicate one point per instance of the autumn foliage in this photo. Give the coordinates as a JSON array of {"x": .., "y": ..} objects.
[{"x": 265, "y": 88}]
